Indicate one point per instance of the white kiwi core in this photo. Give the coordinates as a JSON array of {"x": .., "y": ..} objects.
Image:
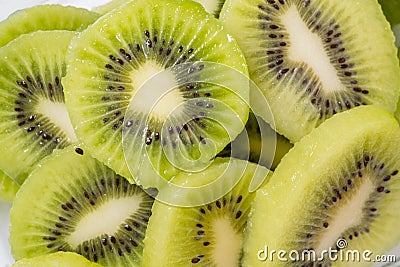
[
  {"x": 307, "y": 47},
  {"x": 58, "y": 114},
  {"x": 106, "y": 219},
  {"x": 156, "y": 93},
  {"x": 347, "y": 215},
  {"x": 227, "y": 243}
]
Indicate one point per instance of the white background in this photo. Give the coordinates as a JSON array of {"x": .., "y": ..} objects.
[{"x": 6, "y": 8}]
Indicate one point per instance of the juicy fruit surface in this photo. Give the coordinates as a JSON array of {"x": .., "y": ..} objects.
[
  {"x": 57, "y": 259},
  {"x": 72, "y": 202},
  {"x": 344, "y": 179},
  {"x": 207, "y": 235},
  {"x": 45, "y": 17},
  {"x": 8, "y": 188},
  {"x": 312, "y": 59},
  {"x": 115, "y": 56},
  {"x": 33, "y": 118},
  {"x": 109, "y": 6},
  {"x": 212, "y": 6}
]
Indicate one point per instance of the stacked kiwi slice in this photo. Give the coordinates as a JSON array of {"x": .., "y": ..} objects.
[
  {"x": 132, "y": 134},
  {"x": 20, "y": 23}
]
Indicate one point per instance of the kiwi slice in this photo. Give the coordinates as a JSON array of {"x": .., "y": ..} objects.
[
  {"x": 59, "y": 259},
  {"x": 206, "y": 235},
  {"x": 337, "y": 188},
  {"x": 258, "y": 143},
  {"x": 313, "y": 59},
  {"x": 45, "y": 17},
  {"x": 164, "y": 73},
  {"x": 8, "y": 188},
  {"x": 33, "y": 117},
  {"x": 72, "y": 202}
]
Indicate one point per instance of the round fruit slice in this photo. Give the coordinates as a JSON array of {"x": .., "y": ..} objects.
[
  {"x": 182, "y": 76},
  {"x": 45, "y": 17},
  {"x": 33, "y": 117},
  {"x": 336, "y": 190},
  {"x": 42, "y": 17},
  {"x": 57, "y": 259},
  {"x": 313, "y": 59},
  {"x": 206, "y": 235},
  {"x": 72, "y": 202}
]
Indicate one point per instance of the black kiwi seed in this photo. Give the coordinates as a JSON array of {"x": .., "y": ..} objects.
[{"x": 79, "y": 151}]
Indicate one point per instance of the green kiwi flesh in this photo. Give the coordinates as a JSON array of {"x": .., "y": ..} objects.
[
  {"x": 57, "y": 259},
  {"x": 72, "y": 202},
  {"x": 164, "y": 42},
  {"x": 8, "y": 188},
  {"x": 33, "y": 117},
  {"x": 206, "y": 235},
  {"x": 213, "y": 7},
  {"x": 340, "y": 182},
  {"x": 313, "y": 59},
  {"x": 109, "y": 6},
  {"x": 45, "y": 17},
  {"x": 258, "y": 143},
  {"x": 391, "y": 9}
]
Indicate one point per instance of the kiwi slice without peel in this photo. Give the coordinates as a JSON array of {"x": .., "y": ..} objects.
[
  {"x": 72, "y": 202},
  {"x": 258, "y": 143},
  {"x": 313, "y": 59},
  {"x": 57, "y": 259},
  {"x": 41, "y": 17},
  {"x": 337, "y": 188},
  {"x": 206, "y": 235},
  {"x": 161, "y": 45},
  {"x": 45, "y": 17},
  {"x": 33, "y": 117}
]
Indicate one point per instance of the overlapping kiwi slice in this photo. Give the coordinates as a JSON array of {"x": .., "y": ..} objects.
[
  {"x": 41, "y": 17},
  {"x": 45, "y": 17},
  {"x": 206, "y": 235},
  {"x": 32, "y": 111},
  {"x": 313, "y": 59},
  {"x": 72, "y": 202},
  {"x": 174, "y": 69},
  {"x": 336, "y": 189},
  {"x": 391, "y": 9},
  {"x": 60, "y": 259}
]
